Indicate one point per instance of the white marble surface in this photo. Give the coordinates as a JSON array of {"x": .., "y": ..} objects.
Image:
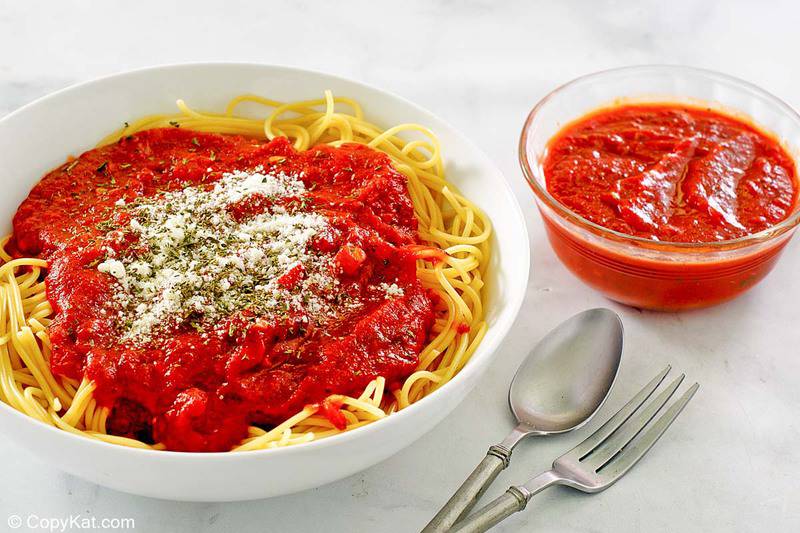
[{"x": 731, "y": 462}]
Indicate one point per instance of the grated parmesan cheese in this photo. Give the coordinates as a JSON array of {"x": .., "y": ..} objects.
[
  {"x": 392, "y": 290},
  {"x": 200, "y": 264},
  {"x": 113, "y": 267}
]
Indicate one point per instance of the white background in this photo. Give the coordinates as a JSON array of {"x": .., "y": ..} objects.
[{"x": 731, "y": 461}]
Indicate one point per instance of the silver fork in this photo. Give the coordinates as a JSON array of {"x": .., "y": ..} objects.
[{"x": 597, "y": 462}]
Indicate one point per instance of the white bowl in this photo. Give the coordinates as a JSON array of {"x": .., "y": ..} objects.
[{"x": 39, "y": 136}]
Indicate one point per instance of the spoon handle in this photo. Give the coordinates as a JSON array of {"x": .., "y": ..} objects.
[{"x": 470, "y": 491}]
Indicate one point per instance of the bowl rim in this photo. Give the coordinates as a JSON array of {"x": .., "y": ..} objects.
[
  {"x": 567, "y": 214},
  {"x": 486, "y": 350}
]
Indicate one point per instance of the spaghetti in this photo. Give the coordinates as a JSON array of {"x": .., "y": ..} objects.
[{"x": 451, "y": 262}]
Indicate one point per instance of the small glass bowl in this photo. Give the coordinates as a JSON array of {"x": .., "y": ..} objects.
[{"x": 637, "y": 271}]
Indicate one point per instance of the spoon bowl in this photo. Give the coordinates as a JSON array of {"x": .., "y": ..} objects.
[{"x": 568, "y": 375}]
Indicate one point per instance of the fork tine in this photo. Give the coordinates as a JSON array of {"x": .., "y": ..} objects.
[
  {"x": 632, "y": 427},
  {"x": 630, "y": 454},
  {"x": 596, "y": 438}
]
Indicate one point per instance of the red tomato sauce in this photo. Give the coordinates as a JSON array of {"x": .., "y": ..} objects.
[
  {"x": 674, "y": 174},
  {"x": 671, "y": 173},
  {"x": 198, "y": 389}
]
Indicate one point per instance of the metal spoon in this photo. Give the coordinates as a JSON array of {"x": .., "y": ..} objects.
[{"x": 560, "y": 385}]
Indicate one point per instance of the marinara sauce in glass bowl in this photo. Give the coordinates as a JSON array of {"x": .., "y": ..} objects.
[{"x": 664, "y": 187}]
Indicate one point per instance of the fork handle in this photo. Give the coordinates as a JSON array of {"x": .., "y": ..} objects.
[
  {"x": 514, "y": 500},
  {"x": 470, "y": 491}
]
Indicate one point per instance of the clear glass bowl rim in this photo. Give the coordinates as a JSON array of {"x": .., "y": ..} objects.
[{"x": 565, "y": 213}]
